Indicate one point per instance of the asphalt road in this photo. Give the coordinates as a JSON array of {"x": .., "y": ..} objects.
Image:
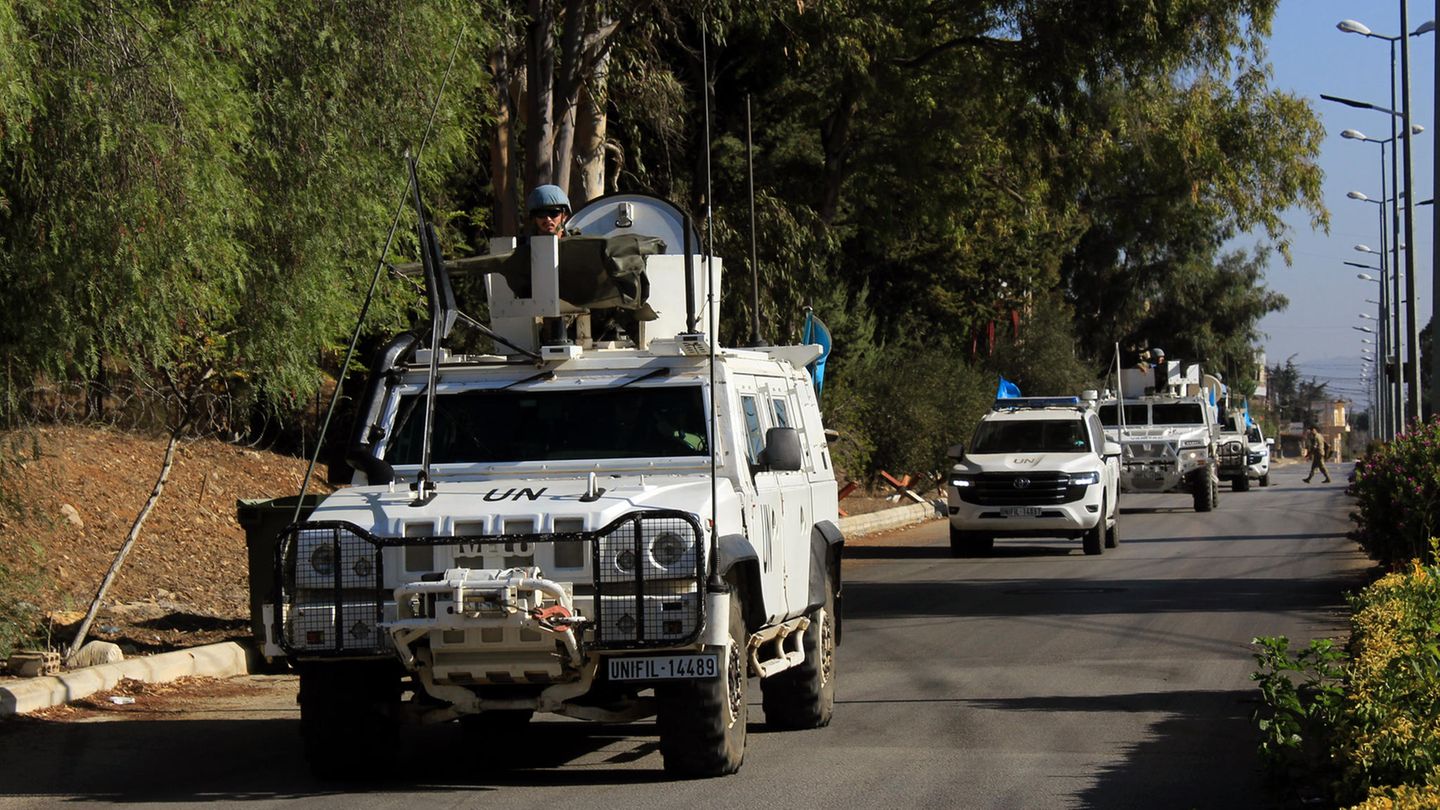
[{"x": 1035, "y": 678}]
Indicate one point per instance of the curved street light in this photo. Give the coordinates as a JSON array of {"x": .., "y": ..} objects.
[{"x": 1403, "y": 133}]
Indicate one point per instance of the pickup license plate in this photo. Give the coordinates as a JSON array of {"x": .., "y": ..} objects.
[
  {"x": 664, "y": 667},
  {"x": 1020, "y": 511}
]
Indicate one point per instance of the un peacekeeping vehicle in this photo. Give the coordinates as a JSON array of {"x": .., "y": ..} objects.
[
  {"x": 609, "y": 518},
  {"x": 1244, "y": 452},
  {"x": 1036, "y": 467},
  {"x": 1166, "y": 423}
]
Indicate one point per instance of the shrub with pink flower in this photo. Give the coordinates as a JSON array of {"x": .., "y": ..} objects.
[{"x": 1397, "y": 492}]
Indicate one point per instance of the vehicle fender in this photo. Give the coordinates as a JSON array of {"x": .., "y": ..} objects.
[
  {"x": 740, "y": 563},
  {"x": 827, "y": 546}
]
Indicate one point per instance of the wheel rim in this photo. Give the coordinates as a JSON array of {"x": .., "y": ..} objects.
[
  {"x": 827, "y": 648},
  {"x": 735, "y": 675}
]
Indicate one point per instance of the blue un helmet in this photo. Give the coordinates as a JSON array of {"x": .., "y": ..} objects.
[{"x": 547, "y": 196}]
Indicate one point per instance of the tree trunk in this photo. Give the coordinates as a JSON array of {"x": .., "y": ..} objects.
[
  {"x": 590, "y": 128},
  {"x": 540, "y": 84},
  {"x": 568, "y": 81},
  {"x": 129, "y": 541},
  {"x": 501, "y": 172}
]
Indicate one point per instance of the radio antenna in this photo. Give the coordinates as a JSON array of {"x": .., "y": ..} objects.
[
  {"x": 755, "y": 338},
  {"x": 715, "y": 584}
]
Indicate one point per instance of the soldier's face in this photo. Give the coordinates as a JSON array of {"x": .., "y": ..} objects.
[{"x": 548, "y": 221}]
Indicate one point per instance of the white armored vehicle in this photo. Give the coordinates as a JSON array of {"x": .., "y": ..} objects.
[
  {"x": 602, "y": 526},
  {"x": 1037, "y": 467},
  {"x": 1168, "y": 429}
]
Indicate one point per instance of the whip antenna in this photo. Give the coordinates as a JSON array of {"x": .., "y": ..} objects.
[
  {"x": 755, "y": 339},
  {"x": 380, "y": 266}
]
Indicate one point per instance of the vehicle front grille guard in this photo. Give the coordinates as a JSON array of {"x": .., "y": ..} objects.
[{"x": 648, "y": 572}]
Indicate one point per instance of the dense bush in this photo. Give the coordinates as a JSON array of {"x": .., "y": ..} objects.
[
  {"x": 1366, "y": 728},
  {"x": 1397, "y": 492},
  {"x": 1391, "y": 730}
]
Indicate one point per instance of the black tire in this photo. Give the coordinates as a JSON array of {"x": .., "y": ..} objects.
[
  {"x": 970, "y": 544},
  {"x": 1241, "y": 484},
  {"x": 804, "y": 696},
  {"x": 349, "y": 719},
  {"x": 702, "y": 723},
  {"x": 1205, "y": 494},
  {"x": 1265, "y": 480},
  {"x": 1112, "y": 534}
]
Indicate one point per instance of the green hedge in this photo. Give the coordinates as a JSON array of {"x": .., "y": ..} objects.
[
  {"x": 1362, "y": 727},
  {"x": 1397, "y": 492}
]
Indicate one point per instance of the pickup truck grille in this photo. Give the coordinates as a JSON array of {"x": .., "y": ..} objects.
[
  {"x": 1021, "y": 489},
  {"x": 647, "y": 590}
]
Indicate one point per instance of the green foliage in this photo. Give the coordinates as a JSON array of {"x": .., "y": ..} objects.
[
  {"x": 1392, "y": 731},
  {"x": 1298, "y": 721},
  {"x": 1397, "y": 497},
  {"x": 1366, "y": 726},
  {"x": 197, "y": 193}
]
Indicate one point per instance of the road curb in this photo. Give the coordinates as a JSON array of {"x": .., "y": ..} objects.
[
  {"x": 886, "y": 519},
  {"x": 222, "y": 660}
]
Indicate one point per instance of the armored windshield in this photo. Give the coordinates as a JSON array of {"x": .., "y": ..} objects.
[
  {"x": 1177, "y": 413},
  {"x": 1031, "y": 436},
  {"x": 595, "y": 423},
  {"x": 1134, "y": 415}
]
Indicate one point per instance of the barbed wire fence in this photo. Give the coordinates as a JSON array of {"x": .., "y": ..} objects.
[{"x": 136, "y": 406}]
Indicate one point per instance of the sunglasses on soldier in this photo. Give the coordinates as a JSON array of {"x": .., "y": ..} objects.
[{"x": 547, "y": 213}]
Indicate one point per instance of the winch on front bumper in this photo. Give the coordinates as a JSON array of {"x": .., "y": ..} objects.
[{"x": 491, "y": 609}]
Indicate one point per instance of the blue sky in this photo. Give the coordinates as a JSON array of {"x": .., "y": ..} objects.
[{"x": 1310, "y": 56}]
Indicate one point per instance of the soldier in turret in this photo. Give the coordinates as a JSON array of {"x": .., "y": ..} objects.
[{"x": 547, "y": 210}]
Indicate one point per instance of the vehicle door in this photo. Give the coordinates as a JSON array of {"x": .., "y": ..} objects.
[
  {"x": 796, "y": 504},
  {"x": 1110, "y": 466},
  {"x": 762, "y": 513}
]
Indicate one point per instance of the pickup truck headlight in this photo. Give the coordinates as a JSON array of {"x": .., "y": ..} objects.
[
  {"x": 1084, "y": 479},
  {"x": 962, "y": 481}
]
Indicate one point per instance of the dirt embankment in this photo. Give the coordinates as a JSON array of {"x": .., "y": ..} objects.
[{"x": 71, "y": 495}]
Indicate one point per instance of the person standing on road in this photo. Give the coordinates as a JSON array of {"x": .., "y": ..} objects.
[{"x": 1315, "y": 446}]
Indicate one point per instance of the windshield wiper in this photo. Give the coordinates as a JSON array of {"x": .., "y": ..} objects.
[
  {"x": 544, "y": 375},
  {"x": 659, "y": 372}
]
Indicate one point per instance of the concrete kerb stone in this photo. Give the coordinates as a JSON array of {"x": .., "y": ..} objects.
[
  {"x": 222, "y": 660},
  {"x": 886, "y": 519}
]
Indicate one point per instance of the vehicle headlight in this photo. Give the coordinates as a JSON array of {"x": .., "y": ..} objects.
[
  {"x": 667, "y": 549},
  {"x": 1193, "y": 455},
  {"x": 962, "y": 481},
  {"x": 1084, "y": 478},
  {"x": 322, "y": 560},
  {"x": 625, "y": 560}
]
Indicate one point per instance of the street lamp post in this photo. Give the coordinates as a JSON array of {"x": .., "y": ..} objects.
[
  {"x": 1412, "y": 337},
  {"x": 1392, "y": 407}
]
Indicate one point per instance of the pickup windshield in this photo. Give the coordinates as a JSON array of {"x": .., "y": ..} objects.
[
  {"x": 1031, "y": 436},
  {"x": 598, "y": 423}
]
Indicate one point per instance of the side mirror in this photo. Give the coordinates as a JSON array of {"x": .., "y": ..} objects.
[
  {"x": 956, "y": 452},
  {"x": 782, "y": 451},
  {"x": 831, "y": 435},
  {"x": 1270, "y": 442},
  {"x": 1113, "y": 449}
]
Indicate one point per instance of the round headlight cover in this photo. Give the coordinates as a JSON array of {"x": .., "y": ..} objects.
[
  {"x": 625, "y": 560},
  {"x": 322, "y": 560},
  {"x": 667, "y": 549}
]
